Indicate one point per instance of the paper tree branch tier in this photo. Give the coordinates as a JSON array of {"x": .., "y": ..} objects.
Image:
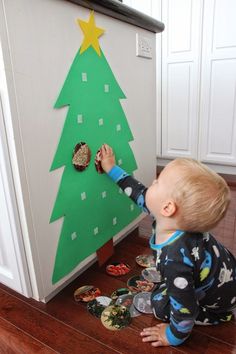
[{"x": 94, "y": 209}]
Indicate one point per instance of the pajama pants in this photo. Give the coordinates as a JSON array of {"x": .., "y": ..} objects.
[{"x": 206, "y": 316}]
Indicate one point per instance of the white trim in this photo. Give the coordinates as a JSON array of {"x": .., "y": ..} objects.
[
  {"x": 7, "y": 172},
  {"x": 9, "y": 103},
  {"x": 230, "y": 170}
]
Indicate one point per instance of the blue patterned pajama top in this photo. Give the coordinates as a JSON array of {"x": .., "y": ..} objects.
[{"x": 198, "y": 274}]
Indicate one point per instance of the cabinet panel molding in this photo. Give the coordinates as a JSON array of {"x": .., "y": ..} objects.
[
  {"x": 177, "y": 109},
  {"x": 218, "y": 84},
  {"x": 180, "y": 77}
]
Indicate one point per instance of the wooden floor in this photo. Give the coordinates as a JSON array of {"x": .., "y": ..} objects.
[{"x": 63, "y": 326}]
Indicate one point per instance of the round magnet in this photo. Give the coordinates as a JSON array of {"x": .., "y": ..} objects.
[
  {"x": 116, "y": 269},
  {"x": 96, "y": 306},
  {"x": 127, "y": 301},
  {"x": 81, "y": 156},
  {"x": 142, "y": 302},
  {"x": 151, "y": 274},
  {"x": 115, "y": 317},
  {"x": 145, "y": 260},
  {"x": 104, "y": 300},
  {"x": 86, "y": 293},
  {"x": 138, "y": 283},
  {"x": 119, "y": 292}
]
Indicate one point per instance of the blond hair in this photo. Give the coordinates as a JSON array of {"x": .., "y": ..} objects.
[{"x": 201, "y": 195}]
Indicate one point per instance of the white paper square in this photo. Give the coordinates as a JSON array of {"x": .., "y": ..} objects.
[
  {"x": 118, "y": 127},
  {"x": 106, "y": 88},
  {"x": 84, "y": 77},
  {"x": 73, "y": 236},
  {"x": 95, "y": 231},
  {"x": 104, "y": 194},
  {"x": 120, "y": 162},
  {"x": 114, "y": 221},
  {"x": 100, "y": 121},
  {"x": 80, "y": 119},
  {"x": 83, "y": 196}
]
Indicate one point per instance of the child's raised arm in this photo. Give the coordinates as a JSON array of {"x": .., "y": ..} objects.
[{"x": 132, "y": 188}]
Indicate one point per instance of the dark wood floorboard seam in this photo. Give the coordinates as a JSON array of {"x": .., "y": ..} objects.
[
  {"x": 44, "y": 313},
  {"x": 135, "y": 330},
  {"x": 28, "y": 334},
  {"x": 217, "y": 339}
]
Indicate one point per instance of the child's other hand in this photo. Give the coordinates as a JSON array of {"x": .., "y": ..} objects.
[
  {"x": 107, "y": 158},
  {"x": 156, "y": 335}
]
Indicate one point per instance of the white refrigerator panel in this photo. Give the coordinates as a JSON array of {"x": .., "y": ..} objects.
[{"x": 40, "y": 40}]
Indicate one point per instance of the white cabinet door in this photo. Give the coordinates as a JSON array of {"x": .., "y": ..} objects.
[
  {"x": 180, "y": 77},
  {"x": 218, "y": 80}
]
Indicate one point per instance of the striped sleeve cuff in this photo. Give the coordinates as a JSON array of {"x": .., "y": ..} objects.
[
  {"x": 116, "y": 174},
  {"x": 172, "y": 339}
]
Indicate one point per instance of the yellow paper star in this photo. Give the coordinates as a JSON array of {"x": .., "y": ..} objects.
[{"x": 91, "y": 34}]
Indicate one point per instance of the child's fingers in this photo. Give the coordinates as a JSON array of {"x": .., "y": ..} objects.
[
  {"x": 151, "y": 338},
  {"x": 156, "y": 335},
  {"x": 103, "y": 150},
  {"x": 107, "y": 150},
  {"x": 157, "y": 344},
  {"x": 149, "y": 333},
  {"x": 150, "y": 329}
]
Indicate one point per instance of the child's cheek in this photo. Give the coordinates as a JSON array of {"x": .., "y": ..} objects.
[{"x": 150, "y": 202}]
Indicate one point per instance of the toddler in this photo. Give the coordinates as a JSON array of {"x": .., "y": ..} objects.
[{"x": 198, "y": 274}]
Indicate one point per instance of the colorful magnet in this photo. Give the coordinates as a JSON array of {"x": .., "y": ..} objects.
[
  {"x": 115, "y": 317},
  {"x": 117, "y": 269},
  {"x": 81, "y": 156},
  {"x": 96, "y": 306},
  {"x": 119, "y": 292},
  {"x": 127, "y": 301},
  {"x": 97, "y": 163},
  {"x": 152, "y": 275},
  {"x": 86, "y": 293},
  {"x": 145, "y": 260},
  {"x": 104, "y": 300},
  {"x": 142, "y": 302},
  {"x": 138, "y": 283}
]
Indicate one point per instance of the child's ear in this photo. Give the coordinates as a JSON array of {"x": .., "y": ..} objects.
[{"x": 169, "y": 208}]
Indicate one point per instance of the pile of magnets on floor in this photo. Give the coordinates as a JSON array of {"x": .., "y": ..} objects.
[{"x": 117, "y": 310}]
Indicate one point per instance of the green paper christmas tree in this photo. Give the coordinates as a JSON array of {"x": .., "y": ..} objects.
[{"x": 93, "y": 207}]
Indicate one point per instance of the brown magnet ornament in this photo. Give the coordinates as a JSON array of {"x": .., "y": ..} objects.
[
  {"x": 81, "y": 156},
  {"x": 97, "y": 163},
  {"x": 86, "y": 293}
]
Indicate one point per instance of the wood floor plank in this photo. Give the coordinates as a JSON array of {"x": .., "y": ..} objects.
[
  {"x": 76, "y": 315},
  {"x": 47, "y": 329},
  {"x": 199, "y": 342},
  {"x": 14, "y": 341},
  {"x": 225, "y": 332}
]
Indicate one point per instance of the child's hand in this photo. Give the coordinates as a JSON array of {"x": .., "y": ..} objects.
[
  {"x": 156, "y": 335},
  {"x": 107, "y": 158}
]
